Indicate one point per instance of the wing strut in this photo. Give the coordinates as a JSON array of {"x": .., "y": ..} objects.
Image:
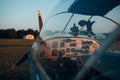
[{"x": 68, "y": 22}]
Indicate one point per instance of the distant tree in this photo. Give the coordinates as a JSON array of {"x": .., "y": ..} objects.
[
  {"x": 11, "y": 33},
  {"x": 5, "y": 34},
  {"x": 20, "y": 33},
  {"x": 30, "y": 31},
  {"x": 2, "y": 33},
  {"x": 36, "y": 33}
]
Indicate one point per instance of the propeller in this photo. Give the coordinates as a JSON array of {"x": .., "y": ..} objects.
[{"x": 40, "y": 21}]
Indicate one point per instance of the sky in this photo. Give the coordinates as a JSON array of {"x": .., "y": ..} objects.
[{"x": 22, "y": 14}]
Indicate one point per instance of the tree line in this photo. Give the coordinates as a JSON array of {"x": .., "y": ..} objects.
[{"x": 19, "y": 34}]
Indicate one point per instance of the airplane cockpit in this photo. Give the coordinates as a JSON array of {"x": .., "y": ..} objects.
[
  {"x": 76, "y": 42},
  {"x": 71, "y": 45}
]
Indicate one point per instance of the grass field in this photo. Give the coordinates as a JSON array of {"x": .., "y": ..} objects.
[{"x": 10, "y": 51}]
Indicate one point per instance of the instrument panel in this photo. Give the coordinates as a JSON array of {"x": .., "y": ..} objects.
[{"x": 69, "y": 46}]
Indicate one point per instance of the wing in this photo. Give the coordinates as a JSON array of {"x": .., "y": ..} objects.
[{"x": 93, "y": 7}]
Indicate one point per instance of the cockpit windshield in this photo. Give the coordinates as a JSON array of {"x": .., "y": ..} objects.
[{"x": 59, "y": 26}]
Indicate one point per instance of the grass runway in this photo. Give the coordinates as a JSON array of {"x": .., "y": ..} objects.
[
  {"x": 10, "y": 51},
  {"x": 13, "y": 49}
]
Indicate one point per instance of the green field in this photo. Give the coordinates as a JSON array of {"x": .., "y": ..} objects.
[{"x": 10, "y": 51}]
